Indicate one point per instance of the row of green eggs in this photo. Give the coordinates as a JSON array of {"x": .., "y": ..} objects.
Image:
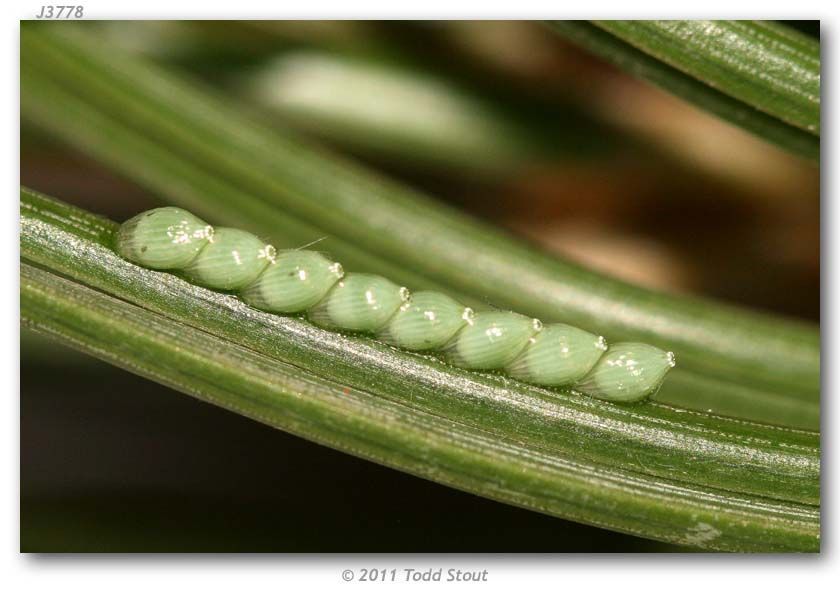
[{"x": 306, "y": 281}]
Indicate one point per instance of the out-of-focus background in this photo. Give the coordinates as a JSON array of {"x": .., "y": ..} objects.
[{"x": 501, "y": 119}]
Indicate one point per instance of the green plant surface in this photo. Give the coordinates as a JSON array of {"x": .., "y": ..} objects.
[
  {"x": 197, "y": 150},
  {"x": 653, "y": 471},
  {"x": 417, "y": 118},
  {"x": 685, "y": 389},
  {"x": 763, "y": 64},
  {"x": 761, "y": 76},
  {"x": 421, "y": 117}
]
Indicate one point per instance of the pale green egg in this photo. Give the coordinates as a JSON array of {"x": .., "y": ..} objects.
[
  {"x": 426, "y": 322},
  {"x": 491, "y": 340},
  {"x": 231, "y": 260},
  {"x": 163, "y": 238},
  {"x": 559, "y": 355},
  {"x": 297, "y": 281},
  {"x": 628, "y": 372},
  {"x": 359, "y": 302}
]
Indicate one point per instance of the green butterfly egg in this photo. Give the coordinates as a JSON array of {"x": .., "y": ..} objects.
[
  {"x": 426, "y": 322},
  {"x": 628, "y": 372},
  {"x": 491, "y": 340},
  {"x": 163, "y": 238},
  {"x": 230, "y": 260},
  {"x": 359, "y": 302},
  {"x": 559, "y": 355},
  {"x": 296, "y": 281}
]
